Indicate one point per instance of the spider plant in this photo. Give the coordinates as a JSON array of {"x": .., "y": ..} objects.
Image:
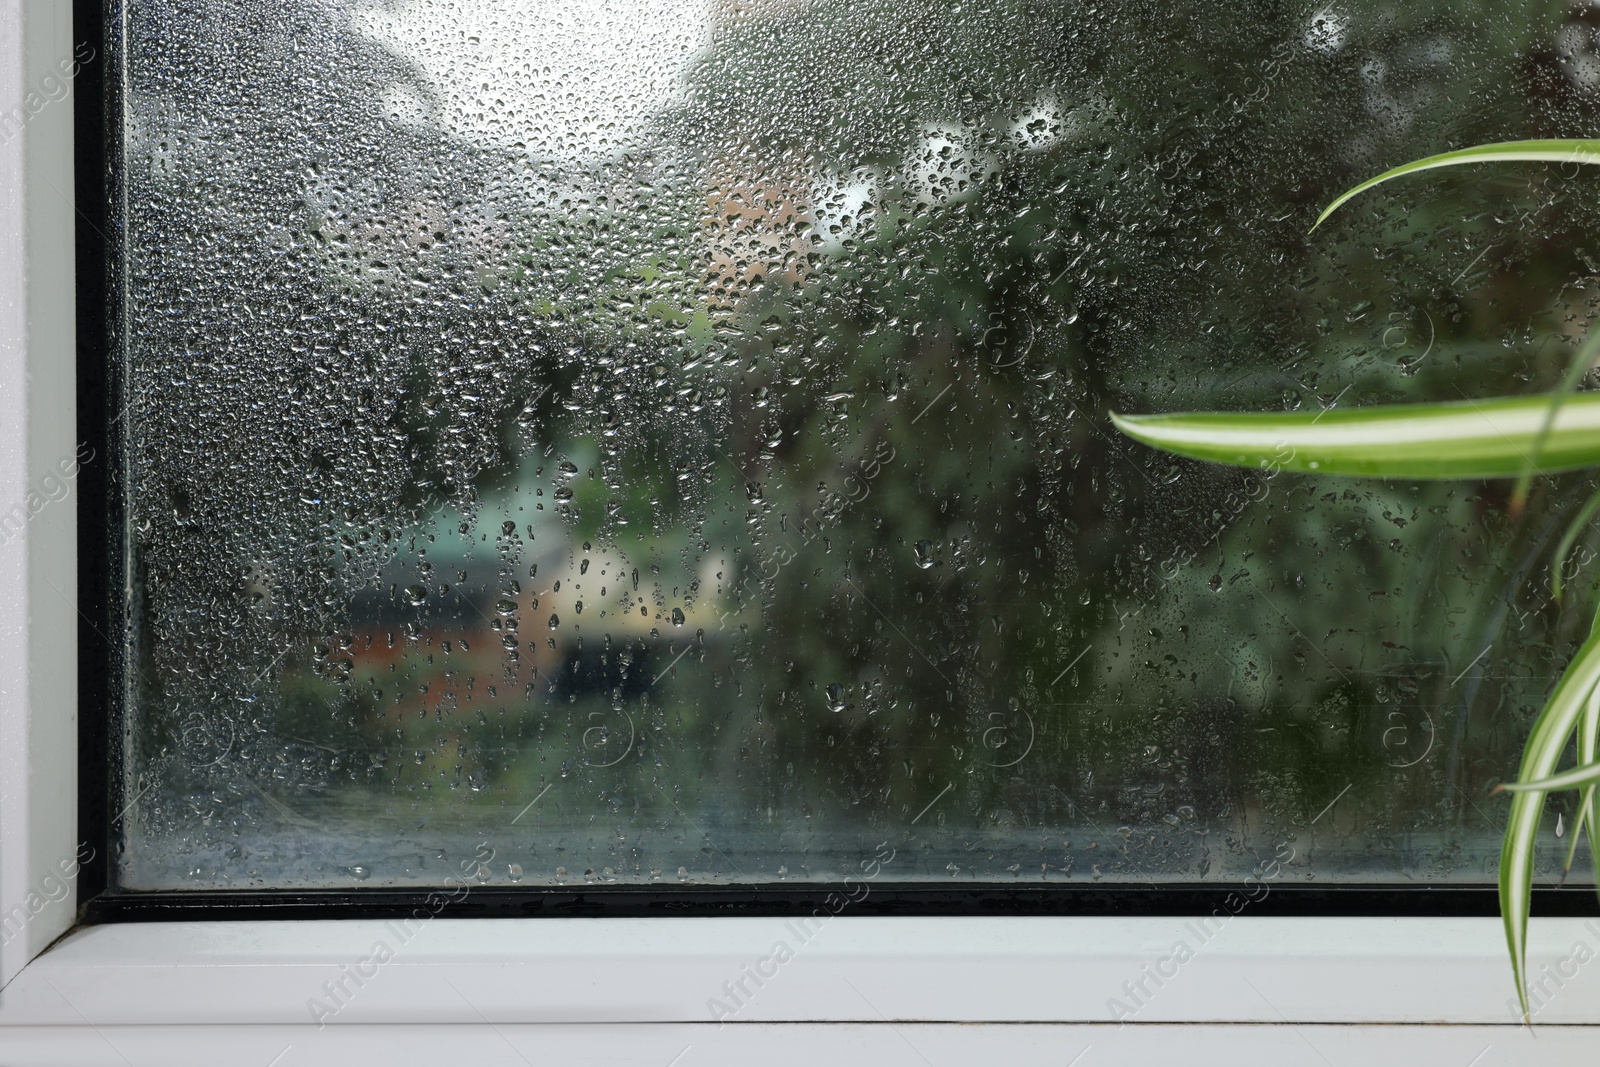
[{"x": 1507, "y": 437}]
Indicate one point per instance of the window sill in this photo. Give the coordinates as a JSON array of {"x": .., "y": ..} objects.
[{"x": 851, "y": 969}]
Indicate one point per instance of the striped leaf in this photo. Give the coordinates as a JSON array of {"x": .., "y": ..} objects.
[
  {"x": 1466, "y": 439},
  {"x": 1582, "y": 775},
  {"x": 1588, "y": 753},
  {"x": 1551, "y": 151},
  {"x": 1580, "y": 365},
  {"x": 1511, "y": 437},
  {"x": 1551, "y": 730}
]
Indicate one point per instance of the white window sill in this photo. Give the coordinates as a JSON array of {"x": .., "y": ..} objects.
[
  {"x": 852, "y": 969},
  {"x": 640, "y": 990}
]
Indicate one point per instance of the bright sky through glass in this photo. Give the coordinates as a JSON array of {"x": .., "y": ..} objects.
[{"x": 569, "y": 79}]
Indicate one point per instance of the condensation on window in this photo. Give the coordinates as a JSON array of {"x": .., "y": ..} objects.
[{"x": 587, "y": 442}]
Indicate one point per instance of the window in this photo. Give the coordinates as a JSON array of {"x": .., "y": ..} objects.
[
  {"x": 586, "y": 446},
  {"x": 586, "y": 459}
]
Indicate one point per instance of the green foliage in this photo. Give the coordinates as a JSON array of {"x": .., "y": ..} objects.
[
  {"x": 1507, "y": 437},
  {"x": 1543, "y": 151},
  {"x": 1465, "y": 439}
]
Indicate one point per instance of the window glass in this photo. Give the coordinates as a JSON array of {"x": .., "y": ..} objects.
[{"x": 592, "y": 442}]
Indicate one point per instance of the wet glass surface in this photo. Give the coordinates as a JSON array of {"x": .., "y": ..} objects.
[{"x": 594, "y": 442}]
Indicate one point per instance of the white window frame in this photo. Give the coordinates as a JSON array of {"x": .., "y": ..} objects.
[{"x": 622, "y": 990}]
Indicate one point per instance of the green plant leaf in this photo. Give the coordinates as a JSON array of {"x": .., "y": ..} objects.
[
  {"x": 1588, "y": 752},
  {"x": 1584, "y": 776},
  {"x": 1577, "y": 827},
  {"x": 1511, "y": 437},
  {"x": 1581, "y": 364},
  {"x": 1545, "y": 744},
  {"x": 1549, "y": 151},
  {"x": 1468, "y": 439},
  {"x": 1578, "y": 777}
]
